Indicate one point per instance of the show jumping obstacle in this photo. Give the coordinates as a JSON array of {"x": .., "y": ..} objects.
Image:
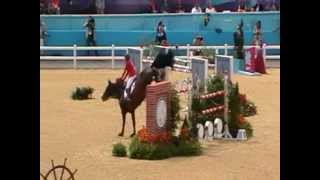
[
  {"x": 203, "y": 131},
  {"x": 199, "y": 69}
]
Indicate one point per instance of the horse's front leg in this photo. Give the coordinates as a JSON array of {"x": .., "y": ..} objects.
[
  {"x": 163, "y": 74},
  {"x": 133, "y": 124},
  {"x": 123, "y": 123}
]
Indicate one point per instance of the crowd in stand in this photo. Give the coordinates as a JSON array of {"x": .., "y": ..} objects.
[
  {"x": 161, "y": 36},
  {"x": 49, "y": 6},
  {"x": 98, "y": 6}
]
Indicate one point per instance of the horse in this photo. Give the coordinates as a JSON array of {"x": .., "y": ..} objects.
[{"x": 138, "y": 93}]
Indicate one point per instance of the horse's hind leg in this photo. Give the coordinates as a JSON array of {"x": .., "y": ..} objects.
[
  {"x": 133, "y": 124},
  {"x": 123, "y": 123}
]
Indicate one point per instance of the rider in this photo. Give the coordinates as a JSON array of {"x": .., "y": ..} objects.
[
  {"x": 130, "y": 72},
  {"x": 162, "y": 61}
]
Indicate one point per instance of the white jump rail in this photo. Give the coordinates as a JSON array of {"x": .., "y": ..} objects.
[
  {"x": 113, "y": 48},
  {"x": 81, "y": 58}
]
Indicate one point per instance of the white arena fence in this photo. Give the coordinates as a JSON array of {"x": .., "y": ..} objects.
[{"x": 113, "y": 57}]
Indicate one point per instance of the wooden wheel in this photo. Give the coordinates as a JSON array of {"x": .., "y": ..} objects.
[{"x": 59, "y": 172}]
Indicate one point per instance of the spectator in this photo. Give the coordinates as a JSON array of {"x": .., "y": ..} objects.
[
  {"x": 92, "y": 9},
  {"x": 258, "y": 7},
  {"x": 161, "y": 33},
  {"x": 196, "y": 9},
  {"x": 210, "y": 9},
  {"x": 274, "y": 7},
  {"x": 43, "y": 34},
  {"x": 198, "y": 41},
  {"x": 258, "y": 60},
  {"x": 241, "y": 8},
  {"x": 180, "y": 11},
  {"x": 42, "y": 8},
  {"x": 257, "y": 33},
  {"x": 56, "y": 6},
  {"x": 100, "y": 6},
  {"x": 153, "y": 6},
  {"x": 164, "y": 6},
  {"x": 238, "y": 41},
  {"x": 53, "y": 8},
  {"x": 164, "y": 43},
  {"x": 90, "y": 33}
]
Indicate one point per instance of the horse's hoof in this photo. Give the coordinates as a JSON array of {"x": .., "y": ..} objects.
[
  {"x": 133, "y": 134},
  {"x": 120, "y": 134}
]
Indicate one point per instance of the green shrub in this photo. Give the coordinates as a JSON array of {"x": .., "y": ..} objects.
[
  {"x": 215, "y": 83},
  {"x": 249, "y": 109},
  {"x": 174, "y": 110},
  {"x": 119, "y": 150},
  {"x": 160, "y": 151},
  {"x": 139, "y": 150},
  {"x": 81, "y": 93},
  {"x": 187, "y": 148}
]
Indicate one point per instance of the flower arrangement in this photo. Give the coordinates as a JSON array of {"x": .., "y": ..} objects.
[
  {"x": 145, "y": 136},
  {"x": 184, "y": 134},
  {"x": 243, "y": 98},
  {"x": 250, "y": 109},
  {"x": 241, "y": 119}
]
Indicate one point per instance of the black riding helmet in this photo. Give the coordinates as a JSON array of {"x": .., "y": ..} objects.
[{"x": 127, "y": 56}]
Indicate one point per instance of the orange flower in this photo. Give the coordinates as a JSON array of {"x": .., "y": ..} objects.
[
  {"x": 145, "y": 136},
  {"x": 241, "y": 119},
  {"x": 243, "y": 98},
  {"x": 184, "y": 131}
]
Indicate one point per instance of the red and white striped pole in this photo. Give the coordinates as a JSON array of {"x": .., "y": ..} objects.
[{"x": 226, "y": 133}]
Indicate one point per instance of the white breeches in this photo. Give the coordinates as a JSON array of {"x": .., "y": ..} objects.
[{"x": 129, "y": 82}]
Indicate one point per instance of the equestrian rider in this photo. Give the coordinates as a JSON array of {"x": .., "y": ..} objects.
[
  {"x": 130, "y": 72},
  {"x": 160, "y": 63}
]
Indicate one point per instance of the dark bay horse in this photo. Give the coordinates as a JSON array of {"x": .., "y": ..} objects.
[
  {"x": 137, "y": 95},
  {"x": 115, "y": 90}
]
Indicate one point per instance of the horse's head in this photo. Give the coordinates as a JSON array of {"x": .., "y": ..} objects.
[{"x": 113, "y": 90}]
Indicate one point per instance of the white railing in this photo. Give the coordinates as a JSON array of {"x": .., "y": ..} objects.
[
  {"x": 113, "y": 48},
  {"x": 226, "y": 47},
  {"x": 76, "y": 48}
]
